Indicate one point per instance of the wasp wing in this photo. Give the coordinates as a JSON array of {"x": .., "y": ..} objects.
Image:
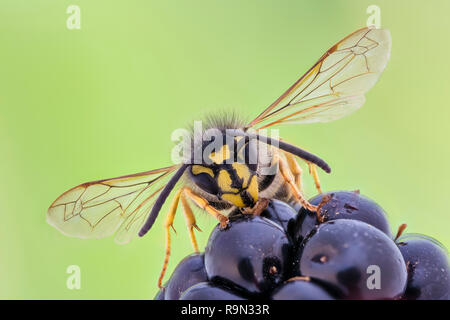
[
  {"x": 335, "y": 86},
  {"x": 102, "y": 208}
]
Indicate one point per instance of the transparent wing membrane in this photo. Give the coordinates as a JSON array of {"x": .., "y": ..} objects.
[
  {"x": 113, "y": 206},
  {"x": 335, "y": 86}
]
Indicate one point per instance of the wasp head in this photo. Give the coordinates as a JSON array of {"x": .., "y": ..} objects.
[{"x": 229, "y": 171}]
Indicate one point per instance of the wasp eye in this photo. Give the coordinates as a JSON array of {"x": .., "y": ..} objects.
[
  {"x": 248, "y": 154},
  {"x": 203, "y": 177}
]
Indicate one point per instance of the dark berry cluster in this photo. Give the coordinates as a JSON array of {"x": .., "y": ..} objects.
[{"x": 290, "y": 253}]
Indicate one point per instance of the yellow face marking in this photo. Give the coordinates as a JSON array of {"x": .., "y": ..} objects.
[
  {"x": 220, "y": 156},
  {"x": 234, "y": 199},
  {"x": 197, "y": 169},
  {"x": 224, "y": 181},
  {"x": 237, "y": 200},
  {"x": 243, "y": 172}
]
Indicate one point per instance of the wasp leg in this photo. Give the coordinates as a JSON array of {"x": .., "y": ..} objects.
[
  {"x": 284, "y": 170},
  {"x": 190, "y": 222},
  {"x": 169, "y": 224},
  {"x": 204, "y": 204},
  {"x": 295, "y": 169},
  {"x": 258, "y": 208},
  {"x": 313, "y": 171}
]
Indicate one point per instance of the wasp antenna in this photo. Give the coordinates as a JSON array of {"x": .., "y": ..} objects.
[
  {"x": 295, "y": 151},
  {"x": 161, "y": 199}
]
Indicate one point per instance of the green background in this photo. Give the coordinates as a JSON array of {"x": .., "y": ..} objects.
[{"x": 102, "y": 101}]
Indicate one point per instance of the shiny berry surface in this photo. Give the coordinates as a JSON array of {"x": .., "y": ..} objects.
[
  {"x": 301, "y": 290},
  {"x": 288, "y": 253},
  {"x": 207, "y": 291},
  {"x": 250, "y": 253},
  {"x": 428, "y": 268},
  {"x": 343, "y": 205},
  {"x": 360, "y": 260},
  {"x": 190, "y": 271},
  {"x": 282, "y": 214}
]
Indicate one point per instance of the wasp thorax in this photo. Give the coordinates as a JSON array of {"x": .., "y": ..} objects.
[{"x": 228, "y": 170}]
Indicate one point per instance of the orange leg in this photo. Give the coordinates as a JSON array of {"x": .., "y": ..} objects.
[
  {"x": 204, "y": 204},
  {"x": 285, "y": 172},
  {"x": 313, "y": 171},
  {"x": 295, "y": 169},
  {"x": 169, "y": 224},
  {"x": 258, "y": 208},
  {"x": 190, "y": 221}
]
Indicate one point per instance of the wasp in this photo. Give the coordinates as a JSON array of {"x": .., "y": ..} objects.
[{"x": 224, "y": 178}]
